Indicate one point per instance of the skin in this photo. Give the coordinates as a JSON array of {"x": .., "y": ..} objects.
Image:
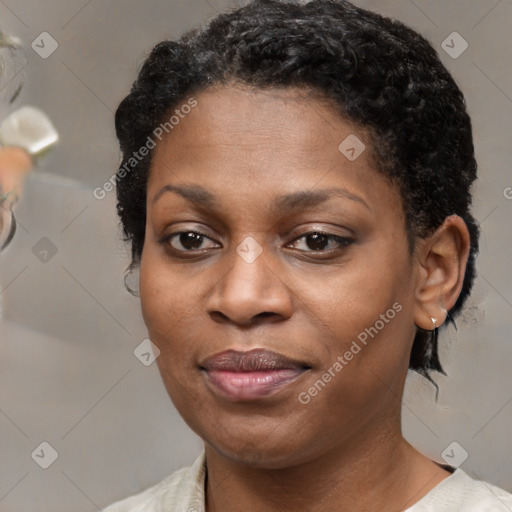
[
  {"x": 344, "y": 450},
  {"x": 15, "y": 164}
]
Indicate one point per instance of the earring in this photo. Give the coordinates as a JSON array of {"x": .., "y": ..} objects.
[
  {"x": 131, "y": 281},
  {"x": 434, "y": 321}
]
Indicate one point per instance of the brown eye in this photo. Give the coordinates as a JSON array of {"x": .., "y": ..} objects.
[
  {"x": 317, "y": 241},
  {"x": 190, "y": 240},
  {"x": 187, "y": 241}
]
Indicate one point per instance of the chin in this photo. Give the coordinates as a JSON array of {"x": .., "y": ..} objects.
[
  {"x": 259, "y": 450},
  {"x": 253, "y": 456}
]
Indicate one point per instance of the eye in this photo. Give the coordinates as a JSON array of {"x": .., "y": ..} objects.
[
  {"x": 319, "y": 241},
  {"x": 313, "y": 241},
  {"x": 186, "y": 241}
]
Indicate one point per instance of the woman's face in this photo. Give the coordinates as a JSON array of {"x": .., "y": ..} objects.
[{"x": 256, "y": 175}]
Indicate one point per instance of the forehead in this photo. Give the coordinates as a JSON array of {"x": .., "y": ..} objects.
[
  {"x": 231, "y": 117},
  {"x": 236, "y": 138}
]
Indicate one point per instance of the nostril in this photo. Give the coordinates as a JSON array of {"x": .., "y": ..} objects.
[
  {"x": 265, "y": 314},
  {"x": 244, "y": 320},
  {"x": 219, "y": 315}
]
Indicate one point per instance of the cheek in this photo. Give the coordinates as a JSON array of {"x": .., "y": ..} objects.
[
  {"x": 170, "y": 310},
  {"x": 172, "y": 303},
  {"x": 364, "y": 312},
  {"x": 349, "y": 299},
  {"x": 165, "y": 299},
  {"x": 155, "y": 297}
]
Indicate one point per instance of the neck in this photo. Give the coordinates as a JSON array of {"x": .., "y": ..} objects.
[{"x": 381, "y": 470}]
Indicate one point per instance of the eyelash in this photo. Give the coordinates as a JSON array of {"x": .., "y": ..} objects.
[{"x": 341, "y": 240}]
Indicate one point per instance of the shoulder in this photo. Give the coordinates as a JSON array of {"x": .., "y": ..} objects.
[
  {"x": 182, "y": 490},
  {"x": 459, "y": 492}
]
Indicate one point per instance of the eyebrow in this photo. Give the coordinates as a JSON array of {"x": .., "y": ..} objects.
[{"x": 283, "y": 204}]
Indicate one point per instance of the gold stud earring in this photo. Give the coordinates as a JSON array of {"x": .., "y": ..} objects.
[{"x": 434, "y": 321}]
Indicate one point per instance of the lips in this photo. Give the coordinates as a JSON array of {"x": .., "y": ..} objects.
[{"x": 250, "y": 375}]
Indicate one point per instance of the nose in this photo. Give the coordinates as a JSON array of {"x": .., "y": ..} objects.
[{"x": 249, "y": 292}]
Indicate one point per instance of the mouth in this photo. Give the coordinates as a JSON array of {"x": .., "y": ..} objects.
[{"x": 251, "y": 375}]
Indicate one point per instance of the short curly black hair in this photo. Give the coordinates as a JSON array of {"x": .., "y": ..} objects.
[{"x": 381, "y": 75}]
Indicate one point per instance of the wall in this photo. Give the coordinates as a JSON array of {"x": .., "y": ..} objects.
[{"x": 68, "y": 375}]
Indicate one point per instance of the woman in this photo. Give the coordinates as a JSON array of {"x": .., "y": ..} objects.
[{"x": 295, "y": 187}]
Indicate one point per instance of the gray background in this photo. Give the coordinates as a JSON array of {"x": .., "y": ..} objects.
[{"x": 68, "y": 375}]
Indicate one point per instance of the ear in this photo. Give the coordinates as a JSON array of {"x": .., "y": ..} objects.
[{"x": 441, "y": 265}]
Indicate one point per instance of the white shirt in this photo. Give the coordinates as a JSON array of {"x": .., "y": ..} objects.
[{"x": 183, "y": 491}]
